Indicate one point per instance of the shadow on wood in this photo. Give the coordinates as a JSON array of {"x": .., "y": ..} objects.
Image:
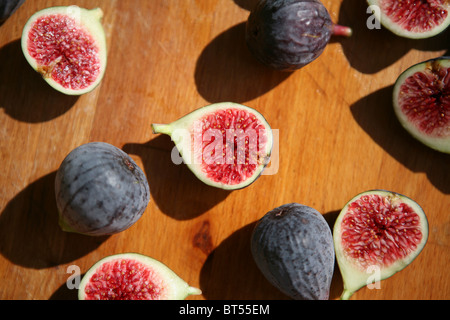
[
  {"x": 64, "y": 293},
  {"x": 175, "y": 189},
  {"x": 226, "y": 71},
  {"x": 29, "y": 232},
  {"x": 371, "y": 49},
  {"x": 246, "y": 4},
  {"x": 230, "y": 272},
  {"x": 337, "y": 286},
  {"x": 375, "y": 114},
  {"x": 24, "y": 95}
]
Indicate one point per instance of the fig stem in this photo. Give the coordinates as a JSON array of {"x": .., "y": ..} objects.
[
  {"x": 339, "y": 30},
  {"x": 161, "y": 128},
  {"x": 194, "y": 291},
  {"x": 63, "y": 225},
  {"x": 346, "y": 294},
  {"x": 97, "y": 13}
]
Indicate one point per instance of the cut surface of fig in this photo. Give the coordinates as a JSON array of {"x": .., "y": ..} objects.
[
  {"x": 133, "y": 276},
  {"x": 293, "y": 247},
  {"x": 413, "y": 19},
  {"x": 289, "y": 34},
  {"x": 377, "y": 231},
  {"x": 67, "y": 46},
  {"x": 226, "y": 145},
  {"x": 421, "y": 100},
  {"x": 100, "y": 190}
]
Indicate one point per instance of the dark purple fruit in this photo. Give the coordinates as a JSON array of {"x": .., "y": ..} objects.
[
  {"x": 100, "y": 190},
  {"x": 289, "y": 34},
  {"x": 293, "y": 247},
  {"x": 7, "y": 8}
]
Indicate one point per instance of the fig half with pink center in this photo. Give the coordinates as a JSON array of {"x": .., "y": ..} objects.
[
  {"x": 421, "y": 99},
  {"x": 226, "y": 145},
  {"x": 67, "y": 46},
  {"x": 133, "y": 276},
  {"x": 413, "y": 19}
]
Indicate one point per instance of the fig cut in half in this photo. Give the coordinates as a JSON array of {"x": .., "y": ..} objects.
[
  {"x": 413, "y": 19},
  {"x": 67, "y": 46},
  {"x": 133, "y": 276},
  {"x": 421, "y": 99},
  {"x": 377, "y": 234},
  {"x": 226, "y": 145}
]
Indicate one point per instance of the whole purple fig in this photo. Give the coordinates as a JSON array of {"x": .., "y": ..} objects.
[
  {"x": 7, "y": 8},
  {"x": 293, "y": 247},
  {"x": 288, "y": 34},
  {"x": 100, "y": 190}
]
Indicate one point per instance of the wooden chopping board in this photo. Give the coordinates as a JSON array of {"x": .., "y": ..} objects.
[{"x": 337, "y": 137}]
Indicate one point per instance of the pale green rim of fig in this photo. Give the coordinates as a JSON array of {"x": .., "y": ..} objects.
[{"x": 176, "y": 287}]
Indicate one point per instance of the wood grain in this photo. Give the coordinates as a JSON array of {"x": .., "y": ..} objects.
[{"x": 337, "y": 137}]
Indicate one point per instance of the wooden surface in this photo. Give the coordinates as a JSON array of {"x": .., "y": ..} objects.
[{"x": 337, "y": 137}]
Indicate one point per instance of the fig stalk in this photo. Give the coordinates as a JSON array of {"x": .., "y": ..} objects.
[
  {"x": 346, "y": 295},
  {"x": 161, "y": 128},
  {"x": 344, "y": 31}
]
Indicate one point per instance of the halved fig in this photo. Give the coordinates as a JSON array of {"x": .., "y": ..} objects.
[
  {"x": 226, "y": 145},
  {"x": 67, "y": 46},
  {"x": 377, "y": 234},
  {"x": 421, "y": 99},
  {"x": 133, "y": 276},
  {"x": 414, "y": 19}
]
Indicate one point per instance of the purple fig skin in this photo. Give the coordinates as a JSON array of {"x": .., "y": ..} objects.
[
  {"x": 7, "y": 8},
  {"x": 293, "y": 247},
  {"x": 289, "y": 34}
]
